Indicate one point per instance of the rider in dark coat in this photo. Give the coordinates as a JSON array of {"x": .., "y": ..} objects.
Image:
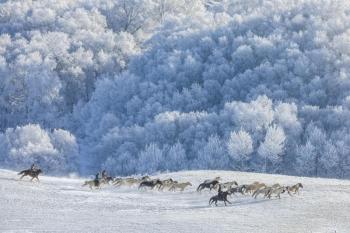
[
  {"x": 34, "y": 167},
  {"x": 220, "y": 192},
  {"x": 97, "y": 180}
]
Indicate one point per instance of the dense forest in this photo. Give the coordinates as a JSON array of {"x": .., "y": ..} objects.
[{"x": 141, "y": 86}]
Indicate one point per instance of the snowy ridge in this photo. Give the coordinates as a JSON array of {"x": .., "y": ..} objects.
[{"x": 62, "y": 205}]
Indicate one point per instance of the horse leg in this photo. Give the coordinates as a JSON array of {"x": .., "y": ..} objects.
[
  {"x": 22, "y": 177},
  {"x": 37, "y": 178},
  {"x": 118, "y": 183}
]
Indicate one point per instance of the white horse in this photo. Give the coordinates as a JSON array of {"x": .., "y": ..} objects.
[
  {"x": 180, "y": 186},
  {"x": 277, "y": 192}
]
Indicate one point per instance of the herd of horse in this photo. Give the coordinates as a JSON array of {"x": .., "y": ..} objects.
[
  {"x": 142, "y": 183},
  {"x": 223, "y": 189},
  {"x": 255, "y": 189}
]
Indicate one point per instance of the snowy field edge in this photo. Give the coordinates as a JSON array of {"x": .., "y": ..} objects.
[{"x": 60, "y": 204}]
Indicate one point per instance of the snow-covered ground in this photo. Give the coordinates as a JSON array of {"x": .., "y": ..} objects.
[{"x": 62, "y": 205}]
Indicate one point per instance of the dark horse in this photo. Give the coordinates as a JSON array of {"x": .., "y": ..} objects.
[
  {"x": 221, "y": 196},
  {"x": 239, "y": 189},
  {"x": 150, "y": 183},
  {"x": 210, "y": 185},
  {"x": 32, "y": 173}
]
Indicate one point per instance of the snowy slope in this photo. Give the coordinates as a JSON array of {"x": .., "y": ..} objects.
[{"x": 62, "y": 205}]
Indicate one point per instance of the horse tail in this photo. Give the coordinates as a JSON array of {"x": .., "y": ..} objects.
[{"x": 20, "y": 173}]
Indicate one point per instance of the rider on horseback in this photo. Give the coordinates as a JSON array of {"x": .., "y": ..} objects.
[
  {"x": 97, "y": 180},
  {"x": 104, "y": 174},
  {"x": 34, "y": 167}
]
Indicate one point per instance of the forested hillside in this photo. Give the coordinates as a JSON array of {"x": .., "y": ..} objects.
[{"x": 139, "y": 86}]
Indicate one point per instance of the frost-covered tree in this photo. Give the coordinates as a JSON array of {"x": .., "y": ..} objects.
[
  {"x": 313, "y": 155},
  {"x": 329, "y": 159},
  {"x": 306, "y": 155},
  {"x": 341, "y": 142},
  {"x": 213, "y": 155},
  {"x": 121, "y": 164},
  {"x": 150, "y": 159},
  {"x": 318, "y": 138},
  {"x": 67, "y": 147},
  {"x": 272, "y": 148},
  {"x": 240, "y": 147},
  {"x": 175, "y": 158},
  {"x": 123, "y": 75},
  {"x": 254, "y": 116},
  {"x": 55, "y": 152},
  {"x": 129, "y": 15}
]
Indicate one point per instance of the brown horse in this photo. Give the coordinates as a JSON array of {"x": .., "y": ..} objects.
[
  {"x": 294, "y": 188},
  {"x": 207, "y": 184},
  {"x": 32, "y": 173}
]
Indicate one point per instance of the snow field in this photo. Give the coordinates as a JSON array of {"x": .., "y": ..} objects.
[{"x": 62, "y": 205}]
